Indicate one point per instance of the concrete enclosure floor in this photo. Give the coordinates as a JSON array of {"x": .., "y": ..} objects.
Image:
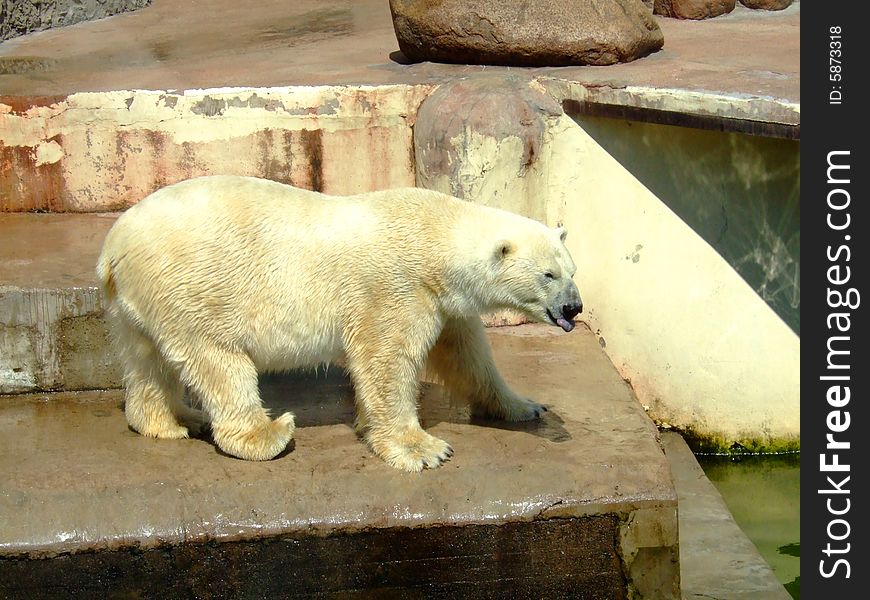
[{"x": 79, "y": 480}]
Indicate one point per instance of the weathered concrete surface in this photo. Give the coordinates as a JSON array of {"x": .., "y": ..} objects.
[
  {"x": 717, "y": 560},
  {"x": 172, "y": 45},
  {"x": 76, "y": 478},
  {"x": 19, "y": 17},
  {"x": 525, "y": 34},
  {"x": 67, "y": 151},
  {"x": 106, "y": 151},
  {"x": 52, "y": 335}
]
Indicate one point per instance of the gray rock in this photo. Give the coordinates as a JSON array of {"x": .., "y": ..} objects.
[
  {"x": 766, "y": 4},
  {"x": 20, "y": 17},
  {"x": 693, "y": 9},
  {"x": 525, "y": 32}
]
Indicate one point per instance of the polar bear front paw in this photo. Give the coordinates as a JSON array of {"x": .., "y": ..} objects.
[{"x": 413, "y": 450}]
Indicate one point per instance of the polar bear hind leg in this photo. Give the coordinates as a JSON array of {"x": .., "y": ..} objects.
[
  {"x": 226, "y": 384},
  {"x": 462, "y": 362},
  {"x": 154, "y": 399}
]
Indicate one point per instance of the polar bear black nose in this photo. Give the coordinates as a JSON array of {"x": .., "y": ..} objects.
[{"x": 572, "y": 310}]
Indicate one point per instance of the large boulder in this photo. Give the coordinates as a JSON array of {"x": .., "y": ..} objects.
[
  {"x": 529, "y": 33},
  {"x": 693, "y": 9}
]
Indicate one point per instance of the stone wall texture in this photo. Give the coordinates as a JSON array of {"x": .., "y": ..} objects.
[{"x": 20, "y": 17}]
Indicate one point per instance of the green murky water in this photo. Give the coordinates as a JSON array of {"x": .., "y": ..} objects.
[{"x": 763, "y": 495}]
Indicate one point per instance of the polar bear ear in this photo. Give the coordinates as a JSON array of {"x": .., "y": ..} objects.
[
  {"x": 503, "y": 248},
  {"x": 563, "y": 233}
]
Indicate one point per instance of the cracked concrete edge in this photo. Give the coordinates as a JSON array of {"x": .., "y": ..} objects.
[
  {"x": 648, "y": 538},
  {"x": 649, "y": 550},
  {"x": 638, "y": 555},
  {"x": 103, "y": 151},
  {"x": 26, "y": 119}
]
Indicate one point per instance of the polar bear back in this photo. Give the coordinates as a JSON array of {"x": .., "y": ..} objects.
[{"x": 276, "y": 270}]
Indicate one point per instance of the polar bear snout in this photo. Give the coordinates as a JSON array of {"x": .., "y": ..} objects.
[
  {"x": 567, "y": 306},
  {"x": 569, "y": 311}
]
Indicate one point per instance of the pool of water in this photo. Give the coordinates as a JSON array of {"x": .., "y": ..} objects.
[{"x": 763, "y": 495}]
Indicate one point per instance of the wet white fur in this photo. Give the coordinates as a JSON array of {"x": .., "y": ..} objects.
[{"x": 209, "y": 281}]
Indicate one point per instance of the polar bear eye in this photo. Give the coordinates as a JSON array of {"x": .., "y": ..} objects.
[{"x": 548, "y": 275}]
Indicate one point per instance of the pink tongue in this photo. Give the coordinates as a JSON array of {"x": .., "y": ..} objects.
[{"x": 565, "y": 323}]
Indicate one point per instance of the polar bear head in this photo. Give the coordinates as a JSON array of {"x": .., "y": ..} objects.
[{"x": 532, "y": 272}]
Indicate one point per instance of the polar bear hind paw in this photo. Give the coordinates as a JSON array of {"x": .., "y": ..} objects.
[
  {"x": 523, "y": 409},
  {"x": 511, "y": 407},
  {"x": 165, "y": 431},
  {"x": 262, "y": 442}
]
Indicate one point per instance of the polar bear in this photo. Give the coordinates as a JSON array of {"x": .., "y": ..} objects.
[{"x": 210, "y": 281}]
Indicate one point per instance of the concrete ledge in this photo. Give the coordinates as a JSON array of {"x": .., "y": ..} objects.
[
  {"x": 52, "y": 335},
  {"x": 589, "y": 480},
  {"x": 717, "y": 560},
  {"x": 310, "y": 42}
]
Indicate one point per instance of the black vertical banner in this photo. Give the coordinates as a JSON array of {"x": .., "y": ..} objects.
[{"x": 834, "y": 363}]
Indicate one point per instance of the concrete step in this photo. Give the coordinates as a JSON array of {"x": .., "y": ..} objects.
[
  {"x": 578, "y": 505},
  {"x": 52, "y": 335},
  {"x": 174, "y": 46}
]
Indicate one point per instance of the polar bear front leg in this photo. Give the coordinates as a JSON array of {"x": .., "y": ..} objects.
[
  {"x": 385, "y": 373},
  {"x": 462, "y": 361}
]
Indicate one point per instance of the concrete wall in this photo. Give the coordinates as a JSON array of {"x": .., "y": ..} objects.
[
  {"x": 739, "y": 192},
  {"x": 93, "y": 152},
  {"x": 701, "y": 349},
  {"x": 19, "y": 17}
]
